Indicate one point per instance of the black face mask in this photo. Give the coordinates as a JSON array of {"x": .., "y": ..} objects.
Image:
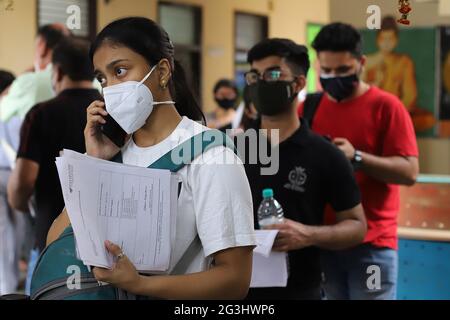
[
  {"x": 272, "y": 98},
  {"x": 340, "y": 88},
  {"x": 226, "y": 103}
]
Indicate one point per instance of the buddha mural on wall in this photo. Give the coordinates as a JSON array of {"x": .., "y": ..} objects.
[{"x": 395, "y": 72}]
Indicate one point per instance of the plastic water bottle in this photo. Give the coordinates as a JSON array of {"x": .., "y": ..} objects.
[{"x": 270, "y": 211}]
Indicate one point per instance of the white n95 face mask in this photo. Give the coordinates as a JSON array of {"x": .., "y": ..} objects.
[{"x": 130, "y": 103}]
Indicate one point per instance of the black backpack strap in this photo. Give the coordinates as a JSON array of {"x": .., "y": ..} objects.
[{"x": 310, "y": 106}]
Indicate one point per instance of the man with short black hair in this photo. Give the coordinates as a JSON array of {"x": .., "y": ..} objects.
[
  {"x": 375, "y": 132},
  {"x": 50, "y": 127},
  {"x": 6, "y": 79},
  {"x": 312, "y": 172},
  {"x": 34, "y": 87}
]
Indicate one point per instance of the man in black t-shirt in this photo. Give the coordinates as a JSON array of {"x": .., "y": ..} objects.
[
  {"x": 312, "y": 173},
  {"x": 48, "y": 128}
]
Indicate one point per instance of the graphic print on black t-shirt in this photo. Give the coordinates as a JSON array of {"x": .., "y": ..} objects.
[{"x": 312, "y": 173}]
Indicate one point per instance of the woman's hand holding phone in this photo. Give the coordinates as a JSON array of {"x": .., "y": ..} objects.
[{"x": 97, "y": 144}]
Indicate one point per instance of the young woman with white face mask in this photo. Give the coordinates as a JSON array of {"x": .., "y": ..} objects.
[{"x": 146, "y": 93}]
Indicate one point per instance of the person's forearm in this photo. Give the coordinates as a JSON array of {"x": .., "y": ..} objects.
[
  {"x": 217, "y": 283},
  {"x": 18, "y": 198},
  {"x": 343, "y": 235},
  {"x": 393, "y": 170}
]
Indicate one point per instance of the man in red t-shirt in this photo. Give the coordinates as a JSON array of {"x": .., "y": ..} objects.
[{"x": 375, "y": 131}]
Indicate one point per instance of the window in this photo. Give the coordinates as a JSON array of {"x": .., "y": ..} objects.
[
  {"x": 60, "y": 11},
  {"x": 250, "y": 29},
  {"x": 183, "y": 24}
]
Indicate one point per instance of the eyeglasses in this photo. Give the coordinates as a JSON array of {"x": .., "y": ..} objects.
[{"x": 253, "y": 77}]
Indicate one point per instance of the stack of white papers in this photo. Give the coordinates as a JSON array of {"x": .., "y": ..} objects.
[
  {"x": 270, "y": 268},
  {"x": 131, "y": 206}
]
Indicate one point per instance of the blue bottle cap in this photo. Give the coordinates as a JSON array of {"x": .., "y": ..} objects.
[{"x": 267, "y": 193}]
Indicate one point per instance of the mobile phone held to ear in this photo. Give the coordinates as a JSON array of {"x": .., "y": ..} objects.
[{"x": 113, "y": 131}]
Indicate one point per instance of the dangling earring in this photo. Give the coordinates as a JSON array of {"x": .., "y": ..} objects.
[{"x": 163, "y": 84}]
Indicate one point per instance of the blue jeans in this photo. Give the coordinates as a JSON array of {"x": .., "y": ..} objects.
[
  {"x": 34, "y": 256},
  {"x": 361, "y": 273}
]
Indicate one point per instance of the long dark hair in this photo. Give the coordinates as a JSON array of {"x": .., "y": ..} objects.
[
  {"x": 147, "y": 38},
  {"x": 246, "y": 121}
]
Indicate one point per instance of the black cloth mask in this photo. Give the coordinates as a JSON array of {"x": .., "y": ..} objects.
[
  {"x": 226, "y": 103},
  {"x": 272, "y": 98},
  {"x": 340, "y": 88}
]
